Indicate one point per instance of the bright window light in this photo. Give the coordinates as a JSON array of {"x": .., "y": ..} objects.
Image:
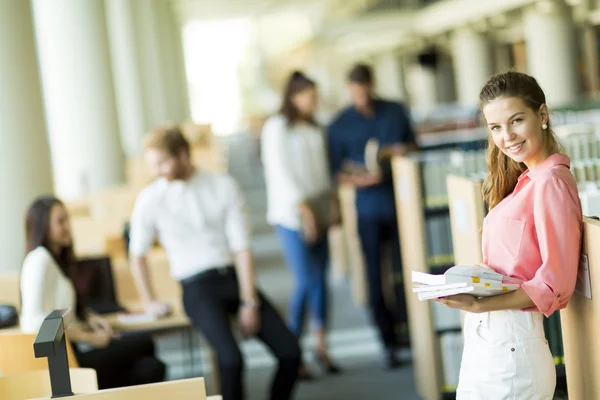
[{"x": 213, "y": 50}]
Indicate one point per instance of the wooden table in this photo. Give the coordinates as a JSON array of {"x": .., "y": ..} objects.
[
  {"x": 177, "y": 321},
  {"x": 11, "y": 331},
  {"x": 187, "y": 389}
]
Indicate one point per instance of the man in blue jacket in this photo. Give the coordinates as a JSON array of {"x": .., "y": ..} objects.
[{"x": 389, "y": 123}]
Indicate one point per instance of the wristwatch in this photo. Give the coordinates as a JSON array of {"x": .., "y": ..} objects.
[{"x": 250, "y": 303}]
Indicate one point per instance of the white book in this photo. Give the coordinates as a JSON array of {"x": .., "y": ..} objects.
[
  {"x": 443, "y": 293},
  {"x": 462, "y": 273},
  {"x": 475, "y": 280},
  {"x": 429, "y": 288},
  {"x": 477, "y": 290}
]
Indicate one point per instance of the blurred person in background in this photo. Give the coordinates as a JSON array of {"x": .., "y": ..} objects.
[
  {"x": 47, "y": 284},
  {"x": 297, "y": 178},
  {"x": 367, "y": 119},
  {"x": 202, "y": 222}
]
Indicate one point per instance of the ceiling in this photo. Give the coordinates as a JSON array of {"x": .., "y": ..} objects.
[{"x": 354, "y": 25}]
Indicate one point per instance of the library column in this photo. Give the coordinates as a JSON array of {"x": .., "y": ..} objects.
[
  {"x": 422, "y": 87},
  {"x": 147, "y": 59},
  {"x": 472, "y": 64},
  {"x": 79, "y": 95},
  {"x": 127, "y": 68},
  {"x": 163, "y": 73},
  {"x": 551, "y": 50},
  {"x": 178, "y": 75},
  {"x": 25, "y": 170},
  {"x": 388, "y": 76}
]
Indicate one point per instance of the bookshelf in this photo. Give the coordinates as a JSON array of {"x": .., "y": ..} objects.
[
  {"x": 580, "y": 322},
  {"x": 413, "y": 242},
  {"x": 424, "y": 224},
  {"x": 427, "y": 246},
  {"x": 467, "y": 211}
]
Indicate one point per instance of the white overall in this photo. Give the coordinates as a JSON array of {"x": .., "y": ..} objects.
[{"x": 506, "y": 357}]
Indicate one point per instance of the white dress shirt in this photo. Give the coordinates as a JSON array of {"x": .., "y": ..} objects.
[
  {"x": 296, "y": 168},
  {"x": 44, "y": 288},
  {"x": 201, "y": 222}
]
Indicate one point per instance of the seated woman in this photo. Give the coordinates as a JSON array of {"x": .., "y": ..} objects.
[{"x": 47, "y": 278}]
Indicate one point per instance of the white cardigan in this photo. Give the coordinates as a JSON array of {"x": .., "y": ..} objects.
[
  {"x": 295, "y": 166},
  {"x": 44, "y": 288}
]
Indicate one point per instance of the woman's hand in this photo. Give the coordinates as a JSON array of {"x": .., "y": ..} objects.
[
  {"x": 464, "y": 302},
  {"x": 97, "y": 323},
  {"x": 98, "y": 339},
  {"x": 309, "y": 223},
  {"x": 367, "y": 180}
]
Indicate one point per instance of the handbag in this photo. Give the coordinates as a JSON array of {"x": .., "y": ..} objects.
[
  {"x": 325, "y": 209},
  {"x": 8, "y": 316}
]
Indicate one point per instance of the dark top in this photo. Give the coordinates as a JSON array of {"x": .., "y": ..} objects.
[{"x": 347, "y": 137}]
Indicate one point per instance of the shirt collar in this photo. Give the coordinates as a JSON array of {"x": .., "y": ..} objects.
[
  {"x": 545, "y": 166},
  {"x": 179, "y": 183},
  {"x": 377, "y": 107}
]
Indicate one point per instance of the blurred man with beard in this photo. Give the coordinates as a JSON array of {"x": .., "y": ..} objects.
[{"x": 201, "y": 220}]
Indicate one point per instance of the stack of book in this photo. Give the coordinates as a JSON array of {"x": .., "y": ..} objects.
[{"x": 471, "y": 279}]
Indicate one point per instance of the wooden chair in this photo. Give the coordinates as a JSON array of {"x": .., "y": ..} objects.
[
  {"x": 90, "y": 234},
  {"x": 9, "y": 289},
  {"x": 186, "y": 389},
  {"x": 137, "y": 172},
  {"x": 16, "y": 355},
  {"x": 166, "y": 288},
  {"x": 37, "y": 384},
  {"x": 113, "y": 202}
]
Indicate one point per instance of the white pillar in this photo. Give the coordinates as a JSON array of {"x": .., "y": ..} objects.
[
  {"x": 473, "y": 65},
  {"x": 129, "y": 90},
  {"x": 422, "y": 88},
  {"x": 147, "y": 58},
  {"x": 175, "y": 45},
  {"x": 79, "y": 95},
  {"x": 388, "y": 76},
  {"x": 159, "y": 43},
  {"x": 502, "y": 55},
  {"x": 551, "y": 50},
  {"x": 25, "y": 170},
  {"x": 445, "y": 80}
]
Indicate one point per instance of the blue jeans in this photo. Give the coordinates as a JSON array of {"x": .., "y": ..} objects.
[{"x": 308, "y": 264}]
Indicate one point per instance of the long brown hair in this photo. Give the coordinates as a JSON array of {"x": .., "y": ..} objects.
[
  {"x": 37, "y": 231},
  {"x": 503, "y": 171},
  {"x": 297, "y": 82}
]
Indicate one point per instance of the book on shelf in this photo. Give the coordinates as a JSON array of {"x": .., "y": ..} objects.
[{"x": 471, "y": 279}]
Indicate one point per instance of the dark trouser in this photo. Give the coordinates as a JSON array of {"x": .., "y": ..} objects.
[
  {"x": 209, "y": 299},
  {"x": 374, "y": 233},
  {"x": 127, "y": 361}
]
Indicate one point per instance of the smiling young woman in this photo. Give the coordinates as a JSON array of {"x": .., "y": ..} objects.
[{"x": 532, "y": 233}]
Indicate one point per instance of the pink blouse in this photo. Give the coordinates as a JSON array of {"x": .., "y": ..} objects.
[{"x": 534, "y": 234}]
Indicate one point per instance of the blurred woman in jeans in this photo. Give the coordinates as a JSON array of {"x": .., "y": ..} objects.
[{"x": 296, "y": 172}]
